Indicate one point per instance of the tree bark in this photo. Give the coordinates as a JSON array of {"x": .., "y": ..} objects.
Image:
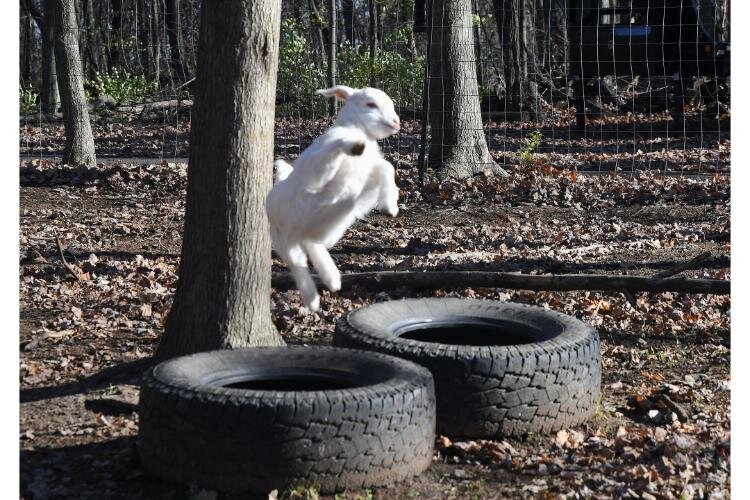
[
  {"x": 223, "y": 295},
  {"x": 347, "y": 15},
  {"x": 372, "y": 36},
  {"x": 331, "y": 53},
  {"x": 97, "y": 46},
  {"x": 115, "y": 47},
  {"x": 515, "y": 24},
  {"x": 458, "y": 148},
  {"x": 26, "y": 51},
  {"x": 175, "y": 40},
  {"x": 50, "y": 93},
  {"x": 156, "y": 37},
  {"x": 79, "y": 140}
]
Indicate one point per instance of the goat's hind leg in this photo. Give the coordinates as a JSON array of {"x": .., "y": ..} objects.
[
  {"x": 324, "y": 265},
  {"x": 388, "y": 190},
  {"x": 296, "y": 259}
]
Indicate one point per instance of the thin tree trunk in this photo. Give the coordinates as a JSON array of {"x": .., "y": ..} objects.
[
  {"x": 223, "y": 295},
  {"x": 322, "y": 33},
  {"x": 26, "y": 50},
  {"x": 373, "y": 36},
  {"x": 477, "y": 47},
  {"x": 347, "y": 14},
  {"x": 115, "y": 47},
  {"x": 173, "y": 35},
  {"x": 79, "y": 141},
  {"x": 156, "y": 37},
  {"x": 508, "y": 18},
  {"x": 146, "y": 35},
  {"x": 50, "y": 94},
  {"x": 331, "y": 53},
  {"x": 97, "y": 47},
  {"x": 458, "y": 147}
]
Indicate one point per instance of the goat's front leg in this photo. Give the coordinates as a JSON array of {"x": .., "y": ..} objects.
[
  {"x": 324, "y": 265},
  {"x": 387, "y": 189},
  {"x": 351, "y": 146}
]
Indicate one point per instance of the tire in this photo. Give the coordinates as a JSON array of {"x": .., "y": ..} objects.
[
  {"x": 547, "y": 377},
  {"x": 311, "y": 416}
]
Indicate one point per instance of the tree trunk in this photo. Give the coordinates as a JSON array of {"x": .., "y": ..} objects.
[
  {"x": 515, "y": 24},
  {"x": 223, "y": 295},
  {"x": 347, "y": 14},
  {"x": 508, "y": 18},
  {"x": 97, "y": 47},
  {"x": 79, "y": 141},
  {"x": 319, "y": 25},
  {"x": 173, "y": 35},
  {"x": 156, "y": 37},
  {"x": 477, "y": 47},
  {"x": 26, "y": 50},
  {"x": 50, "y": 94},
  {"x": 373, "y": 36},
  {"x": 116, "y": 43},
  {"x": 458, "y": 148},
  {"x": 331, "y": 53}
]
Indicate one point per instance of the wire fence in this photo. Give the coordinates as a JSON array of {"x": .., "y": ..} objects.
[{"x": 592, "y": 85}]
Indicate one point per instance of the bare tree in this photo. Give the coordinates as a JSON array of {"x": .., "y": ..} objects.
[
  {"x": 50, "y": 93},
  {"x": 332, "y": 53},
  {"x": 174, "y": 36},
  {"x": 347, "y": 15},
  {"x": 223, "y": 295},
  {"x": 79, "y": 140},
  {"x": 515, "y": 25},
  {"x": 458, "y": 147}
]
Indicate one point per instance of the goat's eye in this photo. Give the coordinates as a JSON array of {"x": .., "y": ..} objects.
[{"x": 372, "y": 105}]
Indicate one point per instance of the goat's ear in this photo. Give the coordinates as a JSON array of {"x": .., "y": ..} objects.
[{"x": 340, "y": 92}]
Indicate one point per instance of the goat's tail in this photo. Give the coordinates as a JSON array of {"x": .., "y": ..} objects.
[{"x": 281, "y": 170}]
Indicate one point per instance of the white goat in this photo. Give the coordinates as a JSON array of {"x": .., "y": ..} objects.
[{"x": 338, "y": 179}]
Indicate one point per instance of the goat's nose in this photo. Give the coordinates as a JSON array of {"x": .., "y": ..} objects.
[{"x": 397, "y": 124}]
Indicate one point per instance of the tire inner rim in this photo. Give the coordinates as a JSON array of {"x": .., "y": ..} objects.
[{"x": 471, "y": 331}]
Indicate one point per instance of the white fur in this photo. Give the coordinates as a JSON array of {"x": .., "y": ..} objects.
[{"x": 331, "y": 186}]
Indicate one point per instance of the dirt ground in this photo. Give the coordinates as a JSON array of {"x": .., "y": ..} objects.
[{"x": 84, "y": 342}]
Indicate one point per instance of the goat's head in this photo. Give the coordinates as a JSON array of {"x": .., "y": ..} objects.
[{"x": 368, "y": 108}]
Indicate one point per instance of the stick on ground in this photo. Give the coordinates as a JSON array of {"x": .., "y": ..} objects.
[
  {"x": 434, "y": 280},
  {"x": 65, "y": 264},
  {"x": 683, "y": 266}
]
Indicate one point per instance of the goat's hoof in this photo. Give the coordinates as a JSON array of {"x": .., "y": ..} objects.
[
  {"x": 358, "y": 149},
  {"x": 334, "y": 283},
  {"x": 314, "y": 304}
]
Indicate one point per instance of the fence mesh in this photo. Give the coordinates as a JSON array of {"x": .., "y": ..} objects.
[{"x": 592, "y": 85}]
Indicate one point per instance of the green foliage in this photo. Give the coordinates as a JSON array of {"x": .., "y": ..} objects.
[
  {"x": 119, "y": 84},
  {"x": 526, "y": 153},
  {"x": 28, "y": 100},
  {"x": 303, "y": 493},
  {"x": 398, "y": 75},
  {"x": 299, "y": 76}
]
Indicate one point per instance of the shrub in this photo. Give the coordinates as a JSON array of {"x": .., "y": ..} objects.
[
  {"x": 526, "y": 152},
  {"x": 119, "y": 84},
  {"x": 28, "y": 100}
]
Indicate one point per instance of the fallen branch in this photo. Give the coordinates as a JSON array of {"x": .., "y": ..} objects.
[
  {"x": 153, "y": 106},
  {"x": 683, "y": 266},
  {"x": 434, "y": 280},
  {"x": 65, "y": 264}
]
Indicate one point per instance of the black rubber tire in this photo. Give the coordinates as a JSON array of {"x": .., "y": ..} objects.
[
  {"x": 195, "y": 430},
  {"x": 550, "y": 382}
]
